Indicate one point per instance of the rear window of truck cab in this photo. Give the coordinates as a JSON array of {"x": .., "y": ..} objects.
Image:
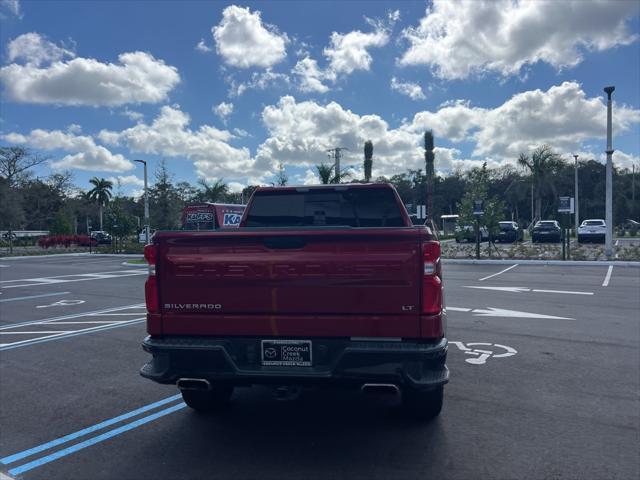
[{"x": 357, "y": 207}]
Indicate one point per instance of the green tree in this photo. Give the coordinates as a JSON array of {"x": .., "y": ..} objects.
[
  {"x": 15, "y": 162},
  {"x": 543, "y": 165},
  {"x": 100, "y": 193},
  {"x": 212, "y": 192},
  {"x": 478, "y": 181},
  {"x": 368, "y": 160},
  {"x": 164, "y": 201},
  {"x": 120, "y": 222},
  {"x": 327, "y": 174},
  {"x": 61, "y": 224}
]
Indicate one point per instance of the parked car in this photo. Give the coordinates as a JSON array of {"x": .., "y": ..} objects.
[
  {"x": 341, "y": 293},
  {"x": 546, "y": 231},
  {"x": 467, "y": 233},
  {"x": 592, "y": 230},
  {"x": 509, "y": 232},
  {"x": 101, "y": 237}
]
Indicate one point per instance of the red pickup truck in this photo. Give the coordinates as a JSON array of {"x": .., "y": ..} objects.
[{"x": 323, "y": 285}]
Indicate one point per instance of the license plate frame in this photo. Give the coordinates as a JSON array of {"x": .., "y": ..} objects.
[{"x": 286, "y": 353}]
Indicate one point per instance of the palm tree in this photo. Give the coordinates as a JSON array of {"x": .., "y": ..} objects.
[
  {"x": 100, "y": 193},
  {"x": 429, "y": 158},
  {"x": 327, "y": 175},
  {"x": 212, "y": 192},
  {"x": 325, "y": 172},
  {"x": 368, "y": 160},
  {"x": 543, "y": 165}
]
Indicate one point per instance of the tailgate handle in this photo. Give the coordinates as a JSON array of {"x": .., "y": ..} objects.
[{"x": 284, "y": 242}]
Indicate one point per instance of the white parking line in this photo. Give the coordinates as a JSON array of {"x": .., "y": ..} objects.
[
  {"x": 499, "y": 273},
  {"x": 607, "y": 277},
  {"x": 66, "y": 334},
  {"x": 80, "y": 277},
  {"x": 74, "y": 315}
]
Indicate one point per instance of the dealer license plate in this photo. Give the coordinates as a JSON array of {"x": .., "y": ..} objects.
[{"x": 296, "y": 353}]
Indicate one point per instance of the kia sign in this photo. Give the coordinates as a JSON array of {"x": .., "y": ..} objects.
[{"x": 231, "y": 220}]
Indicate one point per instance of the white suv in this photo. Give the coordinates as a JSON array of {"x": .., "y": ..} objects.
[{"x": 592, "y": 230}]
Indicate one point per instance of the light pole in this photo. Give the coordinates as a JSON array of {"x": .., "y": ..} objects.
[
  {"x": 576, "y": 214},
  {"x": 608, "y": 248},
  {"x": 146, "y": 203}
]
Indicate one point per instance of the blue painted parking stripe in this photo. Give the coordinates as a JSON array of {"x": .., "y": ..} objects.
[
  {"x": 83, "y": 332},
  {"x": 80, "y": 433},
  {"x": 15, "y": 299},
  {"x": 92, "y": 441}
]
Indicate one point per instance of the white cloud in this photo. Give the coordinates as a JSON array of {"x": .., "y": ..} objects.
[
  {"x": 309, "y": 177},
  {"x": 410, "y": 89},
  {"x": 132, "y": 114},
  {"x": 349, "y": 52},
  {"x": 74, "y": 128},
  {"x": 235, "y": 187},
  {"x": 462, "y": 38},
  {"x": 259, "y": 81},
  {"x": 244, "y": 41},
  {"x": 301, "y": 132},
  {"x": 623, "y": 160},
  {"x": 203, "y": 47},
  {"x": 84, "y": 153},
  {"x": 127, "y": 180},
  {"x": 169, "y": 135},
  {"x": 33, "y": 49},
  {"x": 562, "y": 117},
  {"x": 223, "y": 110},
  {"x": 310, "y": 76},
  {"x": 13, "y": 6},
  {"x": 241, "y": 133},
  {"x": 45, "y": 77}
]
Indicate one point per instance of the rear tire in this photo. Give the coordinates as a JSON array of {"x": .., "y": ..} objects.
[
  {"x": 208, "y": 400},
  {"x": 422, "y": 405}
]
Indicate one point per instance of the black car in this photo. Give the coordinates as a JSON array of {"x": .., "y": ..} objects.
[
  {"x": 510, "y": 232},
  {"x": 100, "y": 237},
  {"x": 467, "y": 233},
  {"x": 546, "y": 231}
]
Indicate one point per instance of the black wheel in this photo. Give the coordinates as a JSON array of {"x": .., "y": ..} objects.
[
  {"x": 208, "y": 400},
  {"x": 422, "y": 404}
]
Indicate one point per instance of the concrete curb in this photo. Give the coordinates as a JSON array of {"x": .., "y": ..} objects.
[
  {"x": 585, "y": 263},
  {"x": 83, "y": 254}
]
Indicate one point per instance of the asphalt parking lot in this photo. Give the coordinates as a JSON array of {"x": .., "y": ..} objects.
[{"x": 545, "y": 382}]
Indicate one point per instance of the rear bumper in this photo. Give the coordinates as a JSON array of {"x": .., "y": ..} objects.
[
  {"x": 336, "y": 361},
  {"x": 591, "y": 237}
]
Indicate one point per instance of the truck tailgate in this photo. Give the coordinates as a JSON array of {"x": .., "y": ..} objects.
[{"x": 338, "y": 282}]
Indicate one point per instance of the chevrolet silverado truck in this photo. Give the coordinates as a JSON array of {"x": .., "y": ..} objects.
[{"x": 319, "y": 286}]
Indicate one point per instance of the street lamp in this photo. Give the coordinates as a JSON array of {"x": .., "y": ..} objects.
[
  {"x": 146, "y": 203},
  {"x": 608, "y": 247},
  {"x": 576, "y": 214}
]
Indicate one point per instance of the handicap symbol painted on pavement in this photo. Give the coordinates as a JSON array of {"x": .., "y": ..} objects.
[
  {"x": 62, "y": 303},
  {"x": 488, "y": 350}
]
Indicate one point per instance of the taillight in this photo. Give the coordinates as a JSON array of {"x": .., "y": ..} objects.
[
  {"x": 151, "y": 286},
  {"x": 150, "y": 254},
  {"x": 432, "y": 278},
  {"x": 151, "y": 295}
]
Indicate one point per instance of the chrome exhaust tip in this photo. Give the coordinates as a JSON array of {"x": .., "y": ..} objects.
[
  {"x": 380, "y": 388},
  {"x": 193, "y": 384}
]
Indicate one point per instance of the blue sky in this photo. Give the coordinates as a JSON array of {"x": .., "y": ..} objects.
[{"x": 230, "y": 90}]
